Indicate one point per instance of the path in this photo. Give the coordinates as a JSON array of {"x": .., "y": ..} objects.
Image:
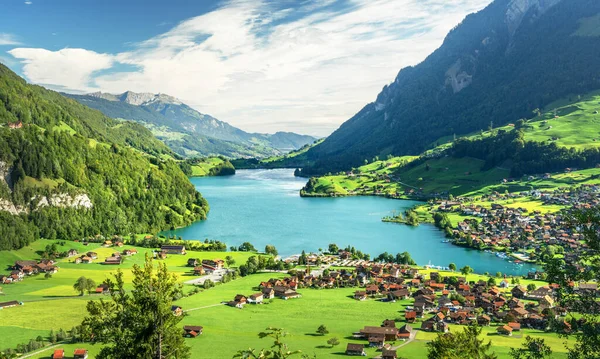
[
  {"x": 40, "y": 351},
  {"x": 215, "y": 276},
  {"x": 207, "y": 306},
  {"x": 408, "y": 341}
]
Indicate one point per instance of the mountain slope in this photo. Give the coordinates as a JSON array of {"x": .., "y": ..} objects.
[
  {"x": 67, "y": 171},
  {"x": 188, "y": 131},
  {"x": 497, "y": 66}
]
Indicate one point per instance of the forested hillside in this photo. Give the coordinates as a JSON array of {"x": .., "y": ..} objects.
[
  {"x": 67, "y": 171},
  {"x": 497, "y": 66}
]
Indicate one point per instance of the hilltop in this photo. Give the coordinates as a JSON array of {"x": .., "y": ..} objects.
[
  {"x": 498, "y": 65},
  {"x": 187, "y": 131},
  {"x": 67, "y": 171}
]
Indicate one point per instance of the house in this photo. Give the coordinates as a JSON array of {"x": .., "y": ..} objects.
[
  {"x": 58, "y": 354},
  {"x": 114, "y": 260},
  {"x": 177, "y": 310},
  {"x": 355, "y": 349},
  {"x": 268, "y": 293},
  {"x": 240, "y": 298},
  {"x": 405, "y": 331},
  {"x": 193, "y": 262},
  {"x": 15, "y": 125},
  {"x": 129, "y": 252},
  {"x": 107, "y": 244},
  {"x": 376, "y": 340},
  {"x": 102, "y": 289},
  {"x": 505, "y": 330},
  {"x": 199, "y": 270},
  {"x": 389, "y": 334},
  {"x": 235, "y": 304},
  {"x": 72, "y": 253},
  {"x": 410, "y": 316},
  {"x": 388, "y": 323},
  {"x": 388, "y": 354},
  {"x": 80, "y": 354},
  {"x": 256, "y": 298},
  {"x": 360, "y": 295},
  {"x": 19, "y": 265},
  {"x": 212, "y": 265},
  {"x": 192, "y": 331},
  {"x": 484, "y": 320},
  {"x": 514, "y": 326},
  {"x": 173, "y": 249},
  {"x": 12, "y": 303},
  {"x": 547, "y": 301}
]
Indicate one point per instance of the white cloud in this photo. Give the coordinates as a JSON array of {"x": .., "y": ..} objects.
[
  {"x": 28, "y": 3},
  {"x": 70, "y": 69},
  {"x": 245, "y": 63},
  {"x": 8, "y": 39}
]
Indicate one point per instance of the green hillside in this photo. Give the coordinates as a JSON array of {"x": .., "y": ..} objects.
[
  {"x": 69, "y": 171},
  {"x": 511, "y": 158},
  {"x": 293, "y": 159}
]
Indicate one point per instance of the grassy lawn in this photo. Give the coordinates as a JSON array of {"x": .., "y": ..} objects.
[{"x": 203, "y": 168}]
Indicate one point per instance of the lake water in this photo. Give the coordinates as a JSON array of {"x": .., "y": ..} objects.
[{"x": 264, "y": 207}]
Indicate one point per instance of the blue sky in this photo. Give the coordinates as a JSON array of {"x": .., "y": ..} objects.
[{"x": 302, "y": 65}]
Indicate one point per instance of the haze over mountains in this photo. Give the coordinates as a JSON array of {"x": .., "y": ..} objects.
[
  {"x": 187, "y": 131},
  {"x": 496, "y": 67}
]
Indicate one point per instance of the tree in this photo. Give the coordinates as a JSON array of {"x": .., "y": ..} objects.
[
  {"x": 333, "y": 342},
  {"x": 531, "y": 287},
  {"x": 466, "y": 270},
  {"x": 84, "y": 284},
  {"x": 230, "y": 261},
  {"x": 452, "y": 267},
  {"x": 246, "y": 247},
  {"x": 587, "y": 330},
  {"x": 458, "y": 345},
  {"x": 333, "y": 248},
  {"x": 322, "y": 330},
  {"x": 48, "y": 275},
  {"x": 491, "y": 281},
  {"x": 270, "y": 249},
  {"x": 533, "y": 348},
  {"x": 139, "y": 323}
]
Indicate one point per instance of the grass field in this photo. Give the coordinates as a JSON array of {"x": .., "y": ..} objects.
[
  {"x": 53, "y": 304},
  {"x": 203, "y": 168}
]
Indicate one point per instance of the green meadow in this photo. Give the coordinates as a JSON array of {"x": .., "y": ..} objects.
[{"x": 53, "y": 304}]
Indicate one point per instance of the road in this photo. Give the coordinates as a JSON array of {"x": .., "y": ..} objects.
[{"x": 215, "y": 276}]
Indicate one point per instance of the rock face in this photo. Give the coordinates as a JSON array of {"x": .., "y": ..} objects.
[
  {"x": 517, "y": 9},
  {"x": 63, "y": 200},
  {"x": 137, "y": 98}
]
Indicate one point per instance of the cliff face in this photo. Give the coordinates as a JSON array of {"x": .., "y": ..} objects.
[{"x": 517, "y": 9}]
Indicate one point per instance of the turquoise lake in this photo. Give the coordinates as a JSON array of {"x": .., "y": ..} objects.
[{"x": 264, "y": 207}]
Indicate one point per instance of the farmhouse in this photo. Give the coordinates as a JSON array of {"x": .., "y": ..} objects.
[
  {"x": 355, "y": 349},
  {"x": 192, "y": 331},
  {"x": 58, "y": 354},
  {"x": 12, "y": 303},
  {"x": 114, "y": 260},
  {"x": 256, "y": 298},
  {"x": 388, "y": 354},
  {"x": 173, "y": 249},
  {"x": 80, "y": 354}
]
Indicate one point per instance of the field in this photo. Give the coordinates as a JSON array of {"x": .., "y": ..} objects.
[
  {"x": 203, "y": 168},
  {"x": 53, "y": 304}
]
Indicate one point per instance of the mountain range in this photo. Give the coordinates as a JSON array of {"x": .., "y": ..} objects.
[
  {"x": 497, "y": 66},
  {"x": 187, "y": 131}
]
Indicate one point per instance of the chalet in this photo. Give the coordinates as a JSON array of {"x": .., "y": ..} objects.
[
  {"x": 173, "y": 249},
  {"x": 119, "y": 244},
  {"x": 405, "y": 331},
  {"x": 400, "y": 294},
  {"x": 428, "y": 325},
  {"x": 388, "y": 323},
  {"x": 484, "y": 320},
  {"x": 72, "y": 253},
  {"x": 80, "y": 354},
  {"x": 192, "y": 331},
  {"x": 199, "y": 270},
  {"x": 256, "y": 298},
  {"x": 240, "y": 298},
  {"x": 92, "y": 255},
  {"x": 360, "y": 295},
  {"x": 355, "y": 349},
  {"x": 235, "y": 304},
  {"x": 410, "y": 316},
  {"x": 193, "y": 262},
  {"x": 547, "y": 301},
  {"x": 540, "y": 292},
  {"x": 58, "y": 354},
  {"x": 102, "y": 289},
  {"x": 177, "y": 310},
  {"x": 372, "y": 289},
  {"x": 212, "y": 265},
  {"x": 389, "y": 334},
  {"x": 19, "y": 265},
  {"x": 389, "y": 354},
  {"x": 505, "y": 330},
  {"x": 114, "y": 260},
  {"x": 514, "y": 326},
  {"x": 12, "y": 303},
  {"x": 107, "y": 244},
  {"x": 129, "y": 252},
  {"x": 268, "y": 293}
]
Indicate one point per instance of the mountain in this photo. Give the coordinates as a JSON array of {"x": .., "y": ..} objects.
[
  {"x": 67, "y": 171},
  {"x": 187, "y": 131},
  {"x": 496, "y": 67}
]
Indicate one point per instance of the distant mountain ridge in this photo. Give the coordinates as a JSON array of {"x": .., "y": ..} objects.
[
  {"x": 187, "y": 131},
  {"x": 496, "y": 67}
]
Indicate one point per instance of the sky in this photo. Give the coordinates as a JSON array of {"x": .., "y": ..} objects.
[{"x": 264, "y": 66}]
